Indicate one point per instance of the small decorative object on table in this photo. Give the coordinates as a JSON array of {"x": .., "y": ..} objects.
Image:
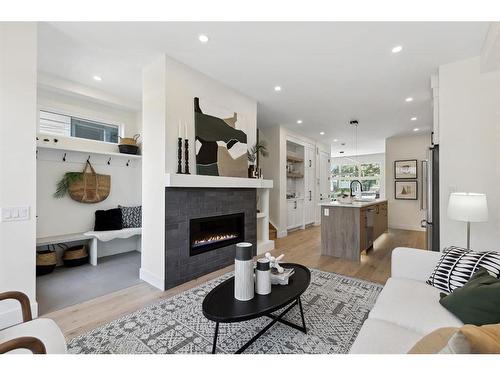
[
  {"x": 282, "y": 278},
  {"x": 274, "y": 262},
  {"x": 279, "y": 275},
  {"x": 263, "y": 277},
  {"x": 243, "y": 272}
]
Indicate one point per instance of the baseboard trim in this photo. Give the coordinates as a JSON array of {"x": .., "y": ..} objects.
[
  {"x": 281, "y": 233},
  {"x": 152, "y": 279},
  {"x": 13, "y": 315},
  {"x": 407, "y": 227}
]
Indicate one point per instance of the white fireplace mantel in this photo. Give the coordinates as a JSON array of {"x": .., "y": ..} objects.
[{"x": 192, "y": 180}]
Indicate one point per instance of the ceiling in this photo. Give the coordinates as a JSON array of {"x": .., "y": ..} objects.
[{"x": 330, "y": 72}]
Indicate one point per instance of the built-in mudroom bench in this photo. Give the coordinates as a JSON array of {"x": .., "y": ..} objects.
[{"x": 205, "y": 216}]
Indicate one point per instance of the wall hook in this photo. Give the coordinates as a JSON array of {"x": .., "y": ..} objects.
[
  {"x": 109, "y": 161},
  {"x": 128, "y": 162},
  {"x": 88, "y": 159},
  {"x": 64, "y": 157}
]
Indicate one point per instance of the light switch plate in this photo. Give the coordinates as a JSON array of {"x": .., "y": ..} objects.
[
  {"x": 326, "y": 212},
  {"x": 15, "y": 213}
]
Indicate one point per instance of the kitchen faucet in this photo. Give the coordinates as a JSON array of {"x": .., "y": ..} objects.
[{"x": 360, "y": 186}]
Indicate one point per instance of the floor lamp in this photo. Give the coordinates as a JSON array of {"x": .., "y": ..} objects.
[{"x": 468, "y": 207}]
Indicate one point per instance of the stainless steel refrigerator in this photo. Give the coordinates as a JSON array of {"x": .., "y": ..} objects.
[{"x": 429, "y": 201}]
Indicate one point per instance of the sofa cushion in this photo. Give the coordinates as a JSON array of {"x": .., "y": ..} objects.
[
  {"x": 381, "y": 337},
  {"x": 46, "y": 330},
  {"x": 456, "y": 266},
  {"x": 413, "y": 305}
]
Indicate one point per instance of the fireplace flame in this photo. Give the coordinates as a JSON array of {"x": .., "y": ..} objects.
[{"x": 215, "y": 238}]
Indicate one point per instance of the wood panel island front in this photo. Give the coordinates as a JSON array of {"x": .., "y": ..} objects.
[{"x": 347, "y": 229}]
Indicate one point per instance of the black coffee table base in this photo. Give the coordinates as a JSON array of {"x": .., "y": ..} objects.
[{"x": 275, "y": 319}]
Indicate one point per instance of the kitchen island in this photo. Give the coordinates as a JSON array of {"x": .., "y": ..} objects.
[{"x": 347, "y": 229}]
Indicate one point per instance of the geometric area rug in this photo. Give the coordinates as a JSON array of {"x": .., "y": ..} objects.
[{"x": 335, "y": 308}]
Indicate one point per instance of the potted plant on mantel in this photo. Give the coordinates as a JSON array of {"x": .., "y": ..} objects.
[{"x": 260, "y": 148}]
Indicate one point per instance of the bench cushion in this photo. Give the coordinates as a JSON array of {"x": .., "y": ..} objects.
[{"x": 108, "y": 235}]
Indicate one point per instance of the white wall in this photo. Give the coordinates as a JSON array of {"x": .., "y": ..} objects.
[
  {"x": 469, "y": 121},
  {"x": 169, "y": 89},
  {"x": 183, "y": 85},
  {"x": 18, "y": 64},
  {"x": 154, "y": 126},
  {"x": 368, "y": 158},
  {"x": 405, "y": 214},
  {"x": 69, "y": 104}
]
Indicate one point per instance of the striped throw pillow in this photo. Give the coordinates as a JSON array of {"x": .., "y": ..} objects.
[{"x": 457, "y": 265}]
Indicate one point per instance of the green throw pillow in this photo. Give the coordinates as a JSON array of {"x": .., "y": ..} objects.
[{"x": 477, "y": 302}]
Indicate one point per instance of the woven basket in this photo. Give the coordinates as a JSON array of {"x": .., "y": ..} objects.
[
  {"x": 91, "y": 188},
  {"x": 75, "y": 256},
  {"x": 46, "y": 261}
]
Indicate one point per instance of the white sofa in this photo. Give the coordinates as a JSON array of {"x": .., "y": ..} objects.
[{"x": 407, "y": 309}]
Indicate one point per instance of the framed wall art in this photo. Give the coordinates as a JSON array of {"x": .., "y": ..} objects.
[
  {"x": 406, "y": 190},
  {"x": 405, "y": 169}
]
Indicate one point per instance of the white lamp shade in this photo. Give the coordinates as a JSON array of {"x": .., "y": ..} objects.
[{"x": 470, "y": 207}]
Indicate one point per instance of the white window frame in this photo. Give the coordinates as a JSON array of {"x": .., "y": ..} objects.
[
  {"x": 359, "y": 177},
  {"x": 85, "y": 117}
]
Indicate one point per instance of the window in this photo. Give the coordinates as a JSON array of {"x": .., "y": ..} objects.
[
  {"x": 367, "y": 173},
  {"x": 69, "y": 126}
]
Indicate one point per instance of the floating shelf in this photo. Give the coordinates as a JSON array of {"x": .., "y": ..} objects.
[
  {"x": 294, "y": 159},
  {"x": 295, "y": 175},
  {"x": 84, "y": 151}
]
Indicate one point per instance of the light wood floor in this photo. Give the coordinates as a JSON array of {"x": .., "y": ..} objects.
[{"x": 302, "y": 246}]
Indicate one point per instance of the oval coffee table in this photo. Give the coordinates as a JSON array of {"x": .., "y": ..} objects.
[{"x": 220, "y": 305}]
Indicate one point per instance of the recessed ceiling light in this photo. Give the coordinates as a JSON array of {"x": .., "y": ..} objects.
[
  {"x": 335, "y": 140},
  {"x": 203, "y": 38},
  {"x": 97, "y": 78},
  {"x": 277, "y": 88},
  {"x": 416, "y": 129},
  {"x": 322, "y": 133},
  {"x": 299, "y": 121},
  {"x": 397, "y": 49},
  {"x": 409, "y": 99},
  {"x": 413, "y": 119}
]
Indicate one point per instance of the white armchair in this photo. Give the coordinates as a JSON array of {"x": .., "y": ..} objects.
[{"x": 38, "y": 336}]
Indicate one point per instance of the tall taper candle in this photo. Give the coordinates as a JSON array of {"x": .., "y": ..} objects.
[
  {"x": 179, "y": 155},
  {"x": 186, "y": 156}
]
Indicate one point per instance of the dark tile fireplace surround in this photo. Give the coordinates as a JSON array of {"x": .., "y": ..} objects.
[{"x": 201, "y": 227}]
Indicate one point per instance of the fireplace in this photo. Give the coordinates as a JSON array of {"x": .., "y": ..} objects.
[{"x": 210, "y": 233}]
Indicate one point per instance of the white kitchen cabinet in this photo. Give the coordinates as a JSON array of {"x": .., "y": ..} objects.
[
  {"x": 310, "y": 178},
  {"x": 295, "y": 213},
  {"x": 290, "y": 213}
]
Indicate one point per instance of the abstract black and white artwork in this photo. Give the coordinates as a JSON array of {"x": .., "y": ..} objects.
[{"x": 221, "y": 144}]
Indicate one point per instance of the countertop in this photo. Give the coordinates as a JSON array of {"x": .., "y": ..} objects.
[{"x": 354, "y": 204}]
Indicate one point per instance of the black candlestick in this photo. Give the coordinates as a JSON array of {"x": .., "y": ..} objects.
[
  {"x": 179, "y": 155},
  {"x": 186, "y": 156}
]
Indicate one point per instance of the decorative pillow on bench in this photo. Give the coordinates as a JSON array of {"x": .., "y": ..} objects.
[
  {"x": 131, "y": 216},
  {"x": 108, "y": 219},
  {"x": 457, "y": 265}
]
